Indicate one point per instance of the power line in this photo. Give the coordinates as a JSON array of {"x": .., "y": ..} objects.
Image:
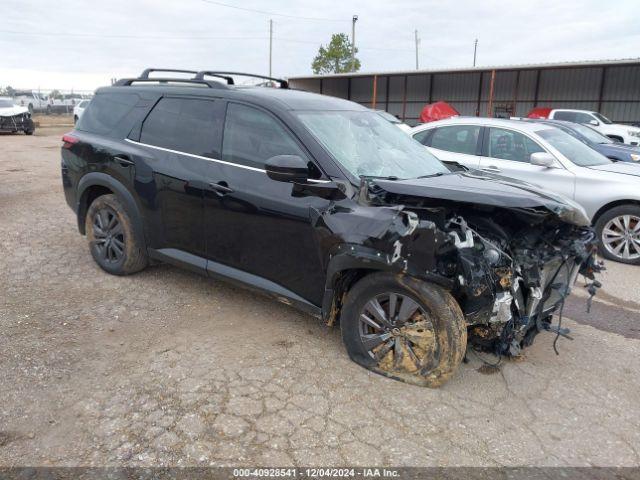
[
  {"x": 99, "y": 35},
  {"x": 264, "y": 12}
]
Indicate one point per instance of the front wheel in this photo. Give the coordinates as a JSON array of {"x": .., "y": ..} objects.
[
  {"x": 404, "y": 328},
  {"x": 113, "y": 241},
  {"x": 619, "y": 234}
]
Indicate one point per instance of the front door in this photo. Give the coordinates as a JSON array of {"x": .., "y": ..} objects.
[
  {"x": 252, "y": 223},
  {"x": 507, "y": 153}
]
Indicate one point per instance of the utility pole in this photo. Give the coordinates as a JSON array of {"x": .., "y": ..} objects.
[
  {"x": 270, "y": 45},
  {"x": 417, "y": 43},
  {"x": 353, "y": 42},
  {"x": 475, "y": 49}
]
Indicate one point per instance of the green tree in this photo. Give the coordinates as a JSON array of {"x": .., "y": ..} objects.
[
  {"x": 55, "y": 94},
  {"x": 336, "y": 57}
]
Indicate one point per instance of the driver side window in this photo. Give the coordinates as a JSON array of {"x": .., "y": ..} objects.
[
  {"x": 251, "y": 137},
  {"x": 509, "y": 145}
]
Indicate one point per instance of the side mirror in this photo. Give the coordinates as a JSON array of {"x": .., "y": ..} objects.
[
  {"x": 287, "y": 168},
  {"x": 543, "y": 159},
  {"x": 595, "y": 123}
]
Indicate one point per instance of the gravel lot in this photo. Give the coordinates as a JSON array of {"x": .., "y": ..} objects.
[{"x": 169, "y": 368}]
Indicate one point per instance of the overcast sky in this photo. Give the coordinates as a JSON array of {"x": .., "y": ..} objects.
[{"x": 82, "y": 44}]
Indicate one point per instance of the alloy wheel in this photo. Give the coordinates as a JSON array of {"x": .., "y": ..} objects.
[
  {"x": 108, "y": 235},
  {"x": 621, "y": 237},
  {"x": 397, "y": 333}
]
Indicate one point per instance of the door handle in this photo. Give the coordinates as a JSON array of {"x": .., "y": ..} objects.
[
  {"x": 221, "y": 188},
  {"x": 123, "y": 161},
  {"x": 491, "y": 168}
]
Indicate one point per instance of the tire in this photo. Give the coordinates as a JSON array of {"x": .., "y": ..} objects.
[
  {"x": 115, "y": 247},
  {"x": 48, "y": 111},
  {"x": 616, "y": 229},
  {"x": 75, "y": 119},
  {"x": 437, "y": 330},
  {"x": 29, "y": 132}
]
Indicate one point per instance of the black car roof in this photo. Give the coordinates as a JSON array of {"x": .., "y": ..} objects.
[{"x": 283, "y": 98}]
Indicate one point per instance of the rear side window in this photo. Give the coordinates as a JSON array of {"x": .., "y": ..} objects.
[
  {"x": 251, "y": 137},
  {"x": 422, "y": 137},
  {"x": 184, "y": 124},
  {"x": 458, "y": 138},
  {"x": 106, "y": 111},
  {"x": 568, "y": 116}
]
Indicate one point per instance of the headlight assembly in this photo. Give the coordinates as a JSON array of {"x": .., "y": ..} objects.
[
  {"x": 634, "y": 133},
  {"x": 635, "y": 157}
]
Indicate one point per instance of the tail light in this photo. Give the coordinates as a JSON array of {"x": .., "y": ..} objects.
[{"x": 68, "y": 140}]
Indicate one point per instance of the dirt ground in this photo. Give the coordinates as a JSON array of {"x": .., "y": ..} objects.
[{"x": 169, "y": 368}]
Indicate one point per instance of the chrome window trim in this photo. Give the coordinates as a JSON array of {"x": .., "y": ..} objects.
[{"x": 231, "y": 164}]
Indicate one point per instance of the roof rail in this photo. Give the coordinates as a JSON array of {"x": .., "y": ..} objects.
[
  {"x": 227, "y": 76},
  {"x": 125, "y": 82},
  {"x": 145, "y": 73}
]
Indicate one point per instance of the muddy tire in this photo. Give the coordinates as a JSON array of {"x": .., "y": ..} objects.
[
  {"x": 618, "y": 232},
  {"x": 404, "y": 328},
  {"x": 113, "y": 241},
  {"x": 29, "y": 132}
]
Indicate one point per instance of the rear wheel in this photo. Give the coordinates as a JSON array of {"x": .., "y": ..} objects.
[
  {"x": 619, "y": 234},
  {"x": 113, "y": 241},
  {"x": 404, "y": 328}
]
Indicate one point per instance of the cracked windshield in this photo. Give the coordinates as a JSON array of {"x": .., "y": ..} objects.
[{"x": 369, "y": 146}]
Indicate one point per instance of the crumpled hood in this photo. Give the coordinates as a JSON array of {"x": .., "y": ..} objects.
[
  {"x": 480, "y": 189},
  {"x": 626, "y": 168},
  {"x": 11, "y": 111}
]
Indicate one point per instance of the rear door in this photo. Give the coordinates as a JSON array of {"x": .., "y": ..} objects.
[
  {"x": 254, "y": 224},
  {"x": 454, "y": 143},
  {"x": 179, "y": 135},
  {"x": 507, "y": 153}
]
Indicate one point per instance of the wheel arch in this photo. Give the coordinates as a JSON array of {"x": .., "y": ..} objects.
[
  {"x": 95, "y": 184},
  {"x": 610, "y": 205},
  {"x": 349, "y": 264},
  {"x": 616, "y": 137}
]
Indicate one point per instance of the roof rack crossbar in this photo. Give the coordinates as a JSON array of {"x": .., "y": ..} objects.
[
  {"x": 125, "y": 82},
  {"x": 227, "y": 76},
  {"x": 145, "y": 74}
]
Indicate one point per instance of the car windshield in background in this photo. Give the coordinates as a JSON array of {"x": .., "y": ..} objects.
[
  {"x": 6, "y": 103},
  {"x": 572, "y": 148},
  {"x": 602, "y": 118},
  {"x": 369, "y": 146},
  {"x": 590, "y": 134}
]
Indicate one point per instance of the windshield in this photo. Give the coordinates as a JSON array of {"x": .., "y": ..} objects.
[
  {"x": 572, "y": 148},
  {"x": 590, "y": 134},
  {"x": 6, "y": 103},
  {"x": 602, "y": 118},
  {"x": 369, "y": 146}
]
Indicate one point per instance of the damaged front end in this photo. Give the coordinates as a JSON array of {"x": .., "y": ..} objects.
[{"x": 508, "y": 267}]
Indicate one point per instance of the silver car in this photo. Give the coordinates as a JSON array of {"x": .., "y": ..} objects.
[{"x": 544, "y": 155}]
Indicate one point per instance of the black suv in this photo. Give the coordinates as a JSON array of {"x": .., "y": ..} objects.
[{"x": 324, "y": 205}]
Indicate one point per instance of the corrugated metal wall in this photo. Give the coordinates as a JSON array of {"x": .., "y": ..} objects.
[{"x": 612, "y": 90}]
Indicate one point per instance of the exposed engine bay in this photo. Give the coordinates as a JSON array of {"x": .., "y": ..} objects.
[{"x": 509, "y": 267}]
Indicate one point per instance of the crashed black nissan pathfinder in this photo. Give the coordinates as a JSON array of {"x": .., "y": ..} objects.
[{"x": 324, "y": 205}]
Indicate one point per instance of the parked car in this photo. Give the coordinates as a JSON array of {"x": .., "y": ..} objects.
[
  {"x": 15, "y": 118},
  {"x": 616, "y": 151},
  {"x": 324, "y": 205},
  {"x": 78, "y": 110},
  {"x": 33, "y": 100},
  {"x": 547, "y": 156},
  {"x": 616, "y": 131},
  {"x": 393, "y": 119}
]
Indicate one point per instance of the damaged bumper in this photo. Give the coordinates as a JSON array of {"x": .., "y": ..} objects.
[{"x": 16, "y": 123}]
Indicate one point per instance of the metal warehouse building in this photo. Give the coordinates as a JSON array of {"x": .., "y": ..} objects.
[{"x": 611, "y": 87}]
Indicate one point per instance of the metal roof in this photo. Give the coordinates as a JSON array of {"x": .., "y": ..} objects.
[{"x": 526, "y": 66}]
